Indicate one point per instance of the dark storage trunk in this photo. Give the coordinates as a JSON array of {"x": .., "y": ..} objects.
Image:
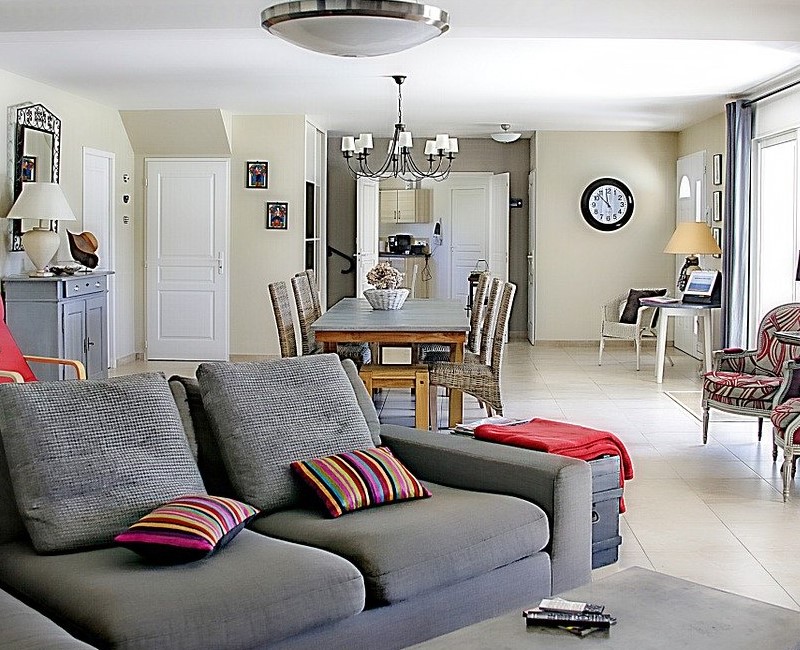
[{"x": 606, "y": 493}]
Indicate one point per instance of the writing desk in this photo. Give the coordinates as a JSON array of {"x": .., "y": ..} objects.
[
  {"x": 676, "y": 309},
  {"x": 352, "y": 320}
]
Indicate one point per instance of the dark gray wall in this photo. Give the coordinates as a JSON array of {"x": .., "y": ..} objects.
[{"x": 476, "y": 155}]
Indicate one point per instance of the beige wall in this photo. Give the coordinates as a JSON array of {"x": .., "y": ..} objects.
[
  {"x": 475, "y": 155},
  {"x": 579, "y": 267},
  {"x": 83, "y": 124}
]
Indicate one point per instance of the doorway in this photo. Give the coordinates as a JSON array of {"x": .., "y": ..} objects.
[{"x": 186, "y": 259}]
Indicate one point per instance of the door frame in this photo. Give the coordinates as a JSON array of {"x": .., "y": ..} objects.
[
  {"x": 111, "y": 313},
  {"x": 226, "y": 251}
]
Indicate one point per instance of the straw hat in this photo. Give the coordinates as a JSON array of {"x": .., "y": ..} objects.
[{"x": 83, "y": 247}]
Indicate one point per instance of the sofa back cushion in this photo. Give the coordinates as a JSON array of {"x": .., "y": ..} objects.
[
  {"x": 89, "y": 458},
  {"x": 11, "y": 526},
  {"x": 267, "y": 414}
]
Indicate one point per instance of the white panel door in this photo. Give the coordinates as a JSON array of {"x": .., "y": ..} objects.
[
  {"x": 532, "y": 257},
  {"x": 98, "y": 218},
  {"x": 498, "y": 226},
  {"x": 469, "y": 234},
  {"x": 187, "y": 249},
  {"x": 367, "y": 208}
]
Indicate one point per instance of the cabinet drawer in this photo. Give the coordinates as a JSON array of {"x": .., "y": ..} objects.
[{"x": 83, "y": 286}]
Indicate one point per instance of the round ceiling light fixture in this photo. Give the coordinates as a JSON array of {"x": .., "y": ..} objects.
[
  {"x": 506, "y": 136},
  {"x": 355, "y": 28}
]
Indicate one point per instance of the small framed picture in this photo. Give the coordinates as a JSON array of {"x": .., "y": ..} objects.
[
  {"x": 256, "y": 174},
  {"x": 717, "y": 232},
  {"x": 27, "y": 171},
  {"x": 716, "y": 205},
  {"x": 277, "y": 216},
  {"x": 716, "y": 169}
]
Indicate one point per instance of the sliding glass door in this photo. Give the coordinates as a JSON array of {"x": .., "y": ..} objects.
[{"x": 776, "y": 245}]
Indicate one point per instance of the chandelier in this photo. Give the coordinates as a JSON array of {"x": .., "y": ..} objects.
[
  {"x": 355, "y": 27},
  {"x": 439, "y": 153}
]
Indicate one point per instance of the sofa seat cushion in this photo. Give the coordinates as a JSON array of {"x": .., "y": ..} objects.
[
  {"x": 23, "y": 628},
  {"x": 254, "y": 592},
  {"x": 408, "y": 548}
]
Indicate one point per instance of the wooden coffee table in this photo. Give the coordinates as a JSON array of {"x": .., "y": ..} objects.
[{"x": 653, "y": 610}]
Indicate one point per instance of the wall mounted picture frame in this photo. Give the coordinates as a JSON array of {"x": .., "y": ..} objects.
[
  {"x": 716, "y": 205},
  {"x": 717, "y": 232},
  {"x": 277, "y": 214},
  {"x": 716, "y": 169},
  {"x": 256, "y": 174},
  {"x": 27, "y": 169}
]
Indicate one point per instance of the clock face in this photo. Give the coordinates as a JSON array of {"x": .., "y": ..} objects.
[{"x": 607, "y": 204}]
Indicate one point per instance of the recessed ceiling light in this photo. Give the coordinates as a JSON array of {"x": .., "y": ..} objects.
[
  {"x": 506, "y": 136},
  {"x": 355, "y": 28}
]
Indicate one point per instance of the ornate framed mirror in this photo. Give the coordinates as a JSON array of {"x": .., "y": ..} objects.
[{"x": 35, "y": 135}]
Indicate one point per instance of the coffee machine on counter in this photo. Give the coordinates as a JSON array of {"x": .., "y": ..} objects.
[{"x": 400, "y": 244}]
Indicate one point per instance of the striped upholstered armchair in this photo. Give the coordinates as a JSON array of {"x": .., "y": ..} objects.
[{"x": 754, "y": 382}]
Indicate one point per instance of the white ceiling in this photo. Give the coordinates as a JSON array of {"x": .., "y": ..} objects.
[{"x": 537, "y": 64}]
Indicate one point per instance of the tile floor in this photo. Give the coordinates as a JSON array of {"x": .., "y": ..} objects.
[{"x": 710, "y": 513}]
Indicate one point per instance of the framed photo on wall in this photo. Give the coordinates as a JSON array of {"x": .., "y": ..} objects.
[
  {"x": 277, "y": 216},
  {"x": 716, "y": 205},
  {"x": 717, "y": 232},
  {"x": 716, "y": 169},
  {"x": 256, "y": 174},
  {"x": 27, "y": 169}
]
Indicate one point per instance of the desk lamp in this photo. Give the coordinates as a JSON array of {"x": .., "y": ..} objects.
[
  {"x": 691, "y": 238},
  {"x": 45, "y": 202}
]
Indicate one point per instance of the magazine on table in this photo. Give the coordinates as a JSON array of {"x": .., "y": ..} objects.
[{"x": 499, "y": 420}]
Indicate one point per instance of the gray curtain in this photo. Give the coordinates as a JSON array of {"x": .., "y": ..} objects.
[{"x": 736, "y": 239}]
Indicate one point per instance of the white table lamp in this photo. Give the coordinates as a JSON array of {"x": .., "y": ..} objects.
[
  {"x": 691, "y": 238},
  {"x": 46, "y": 202}
]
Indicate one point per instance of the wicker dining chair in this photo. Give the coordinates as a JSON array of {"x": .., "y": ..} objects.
[
  {"x": 433, "y": 352},
  {"x": 307, "y": 313},
  {"x": 279, "y": 295},
  {"x": 481, "y": 380}
]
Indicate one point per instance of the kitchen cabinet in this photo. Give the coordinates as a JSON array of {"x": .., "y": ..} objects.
[
  {"x": 405, "y": 264},
  {"x": 406, "y": 206},
  {"x": 62, "y": 316}
]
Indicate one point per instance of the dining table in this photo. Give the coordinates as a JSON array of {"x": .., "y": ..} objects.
[{"x": 423, "y": 320}]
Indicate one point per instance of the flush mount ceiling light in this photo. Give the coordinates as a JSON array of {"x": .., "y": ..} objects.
[
  {"x": 439, "y": 153},
  {"x": 505, "y": 136},
  {"x": 355, "y": 28}
]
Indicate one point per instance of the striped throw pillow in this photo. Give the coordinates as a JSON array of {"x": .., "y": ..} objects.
[
  {"x": 187, "y": 529},
  {"x": 359, "y": 479}
]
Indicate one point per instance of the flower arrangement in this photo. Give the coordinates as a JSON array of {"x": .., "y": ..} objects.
[{"x": 384, "y": 276}]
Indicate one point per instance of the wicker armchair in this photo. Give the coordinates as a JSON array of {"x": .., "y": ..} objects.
[
  {"x": 279, "y": 295},
  {"x": 481, "y": 380},
  {"x": 433, "y": 352},
  {"x": 754, "y": 382},
  {"x": 612, "y": 329},
  {"x": 306, "y": 298}
]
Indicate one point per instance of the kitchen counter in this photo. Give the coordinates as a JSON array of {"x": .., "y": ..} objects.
[{"x": 386, "y": 254}]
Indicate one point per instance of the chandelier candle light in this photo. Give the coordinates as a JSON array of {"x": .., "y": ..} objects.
[{"x": 439, "y": 153}]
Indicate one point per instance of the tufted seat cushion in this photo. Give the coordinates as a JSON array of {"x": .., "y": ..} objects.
[
  {"x": 737, "y": 388},
  {"x": 784, "y": 414}
]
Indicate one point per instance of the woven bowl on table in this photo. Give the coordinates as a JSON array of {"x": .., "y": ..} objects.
[{"x": 386, "y": 298}]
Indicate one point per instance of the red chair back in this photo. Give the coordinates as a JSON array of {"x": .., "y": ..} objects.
[
  {"x": 10, "y": 355},
  {"x": 771, "y": 353}
]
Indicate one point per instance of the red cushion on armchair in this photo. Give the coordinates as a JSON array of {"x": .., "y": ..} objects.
[{"x": 10, "y": 355}]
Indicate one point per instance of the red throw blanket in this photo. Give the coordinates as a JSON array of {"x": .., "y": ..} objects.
[{"x": 564, "y": 439}]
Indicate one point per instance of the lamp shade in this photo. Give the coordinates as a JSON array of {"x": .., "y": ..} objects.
[
  {"x": 41, "y": 201},
  {"x": 692, "y": 238}
]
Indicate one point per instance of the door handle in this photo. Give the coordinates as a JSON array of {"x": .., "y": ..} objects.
[{"x": 220, "y": 263}]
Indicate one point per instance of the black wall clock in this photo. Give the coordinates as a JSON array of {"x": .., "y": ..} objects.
[{"x": 607, "y": 204}]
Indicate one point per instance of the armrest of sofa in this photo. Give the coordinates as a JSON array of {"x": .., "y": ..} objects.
[{"x": 561, "y": 486}]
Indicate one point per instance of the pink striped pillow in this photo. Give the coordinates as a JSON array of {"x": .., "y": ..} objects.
[
  {"x": 186, "y": 529},
  {"x": 359, "y": 479}
]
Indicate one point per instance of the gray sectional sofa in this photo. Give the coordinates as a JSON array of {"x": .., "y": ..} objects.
[{"x": 504, "y": 527}]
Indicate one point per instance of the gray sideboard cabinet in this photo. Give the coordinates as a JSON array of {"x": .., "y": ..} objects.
[{"x": 61, "y": 316}]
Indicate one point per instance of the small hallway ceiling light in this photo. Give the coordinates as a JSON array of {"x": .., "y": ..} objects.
[
  {"x": 439, "y": 153},
  {"x": 355, "y": 28},
  {"x": 506, "y": 136}
]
